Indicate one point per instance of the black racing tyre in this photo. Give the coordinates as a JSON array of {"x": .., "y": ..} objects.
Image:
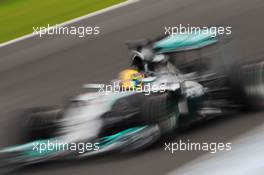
[
  {"x": 158, "y": 107},
  {"x": 247, "y": 81},
  {"x": 41, "y": 122}
]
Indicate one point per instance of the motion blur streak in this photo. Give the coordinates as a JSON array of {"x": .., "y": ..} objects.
[
  {"x": 245, "y": 158},
  {"x": 36, "y": 72}
]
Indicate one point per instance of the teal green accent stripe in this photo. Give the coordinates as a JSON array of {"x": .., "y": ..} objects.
[
  {"x": 185, "y": 41},
  {"x": 107, "y": 140}
]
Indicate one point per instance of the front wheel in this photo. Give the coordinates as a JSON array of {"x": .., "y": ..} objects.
[{"x": 41, "y": 122}]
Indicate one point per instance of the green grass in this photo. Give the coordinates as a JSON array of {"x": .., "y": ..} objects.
[{"x": 18, "y": 17}]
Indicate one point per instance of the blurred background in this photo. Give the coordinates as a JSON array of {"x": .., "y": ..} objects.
[{"x": 42, "y": 71}]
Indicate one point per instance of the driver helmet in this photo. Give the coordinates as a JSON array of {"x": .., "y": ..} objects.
[{"x": 130, "y": 79}]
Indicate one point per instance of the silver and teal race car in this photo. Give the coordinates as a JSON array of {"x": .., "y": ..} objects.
[{"x": 97, "y": 123}]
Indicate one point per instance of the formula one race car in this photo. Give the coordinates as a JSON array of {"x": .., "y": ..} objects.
[{"x": 161, "y": 100}]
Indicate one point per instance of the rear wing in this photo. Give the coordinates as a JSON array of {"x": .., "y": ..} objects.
[{"x": 185, "y": 42}]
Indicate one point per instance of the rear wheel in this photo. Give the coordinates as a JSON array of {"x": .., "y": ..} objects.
[{"x": 247, "y": 80}]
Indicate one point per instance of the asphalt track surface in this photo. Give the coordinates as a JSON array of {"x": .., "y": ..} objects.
[{"x": 41, "y": 71}]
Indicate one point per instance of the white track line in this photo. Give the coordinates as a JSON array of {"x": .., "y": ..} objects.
[{"x": 128, "y": 2}]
